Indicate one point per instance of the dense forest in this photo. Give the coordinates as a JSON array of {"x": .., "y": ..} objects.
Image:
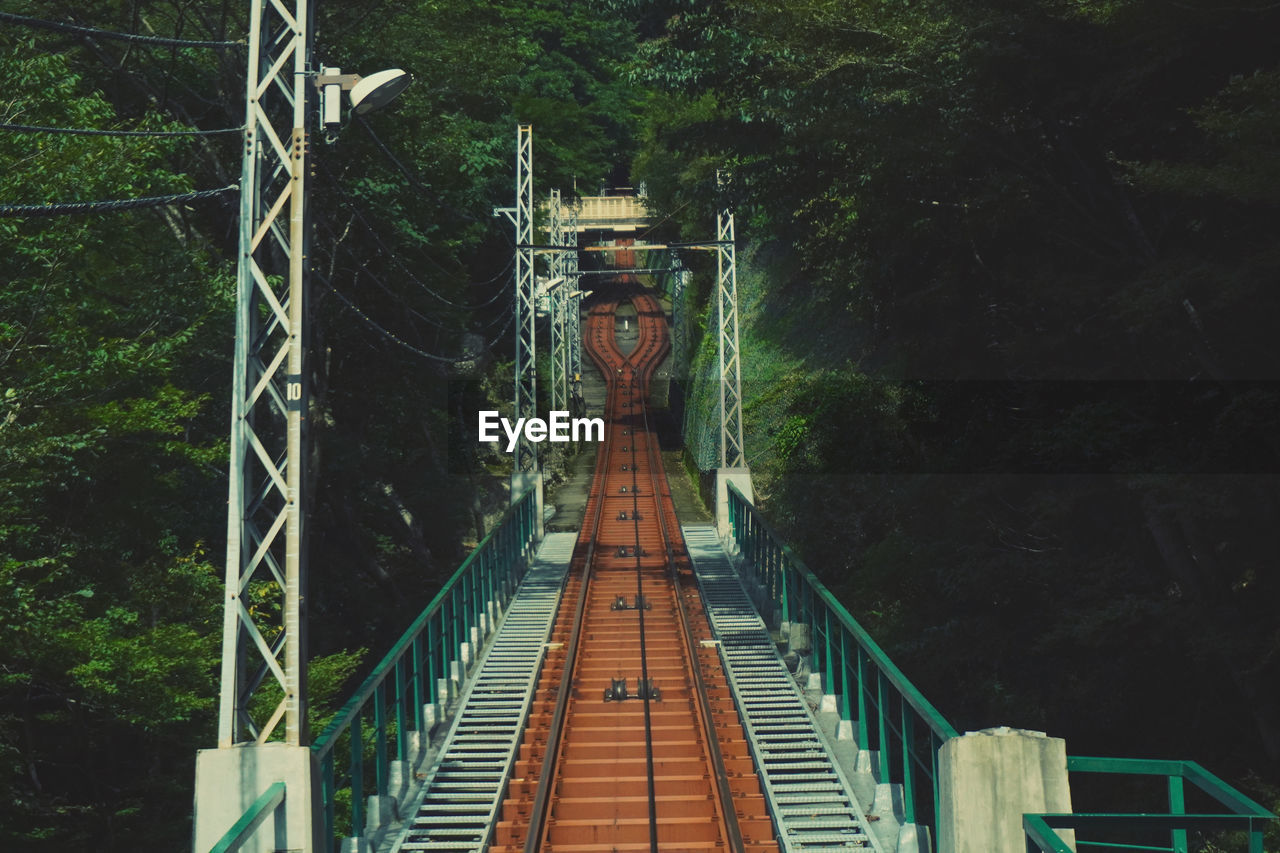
[
  {"x": 1010, "y": 350},
  {"x": 1008, "y": 280}
]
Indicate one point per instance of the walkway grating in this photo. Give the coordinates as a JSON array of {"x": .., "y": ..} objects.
[
  {"x": 810, "y": 798},
  {"x": 467, "y": 783}
]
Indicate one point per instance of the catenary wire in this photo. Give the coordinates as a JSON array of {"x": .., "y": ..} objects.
[
  {"x": 363, "y": 269},
  {"x": 86, "y": 131},
  {"x": 353, "y": 206},
  {"x": 396, "y": 258},
  {"x": 133, "y": 38},
  {"x": 396, "y": 339},
  {"x": 65, "y": 208}
]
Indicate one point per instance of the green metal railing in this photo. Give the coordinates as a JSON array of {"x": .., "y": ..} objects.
[
  {"x": 372, "y": 729},
  {"x": 895, "y": 720},
  {"x": 244, "y": 828},
  {"x": 892, "y": 717},
  {"x": 1243, "y": 814}
]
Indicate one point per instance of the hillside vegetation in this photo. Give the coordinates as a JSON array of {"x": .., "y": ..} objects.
[
  {"x": 1008, "y": 282},
  {"x": 1008, "y": 277}
]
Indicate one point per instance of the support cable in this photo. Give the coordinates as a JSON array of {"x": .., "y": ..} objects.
[
  {"x": 133, "y": 38},
  {"x": 409, "y": 175},
  {"x": 396, "y": 339},
  {"x": 363, "y": 269},
  {"x": 395, "y": 257},
  {"x": 377, "y": 237},
  {"x": 86, "y": 131},
  {"x": 65, "y": 208}
]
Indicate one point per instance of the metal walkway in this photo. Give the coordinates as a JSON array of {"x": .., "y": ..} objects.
[
  {"x": 465, "y": 786},
  {"x": 810, "y": 797}
]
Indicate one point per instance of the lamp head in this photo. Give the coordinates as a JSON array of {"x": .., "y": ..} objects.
[{"x": 378, "y": 89}]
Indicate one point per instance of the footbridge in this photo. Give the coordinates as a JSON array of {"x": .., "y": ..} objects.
[
  {"x": 651, "y": 683},
  {"x": 647, "y": 683}
]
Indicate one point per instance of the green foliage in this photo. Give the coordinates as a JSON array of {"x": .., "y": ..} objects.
[
  {"x": 114, "y": 347},
  {"x": 960, "y": 218}
]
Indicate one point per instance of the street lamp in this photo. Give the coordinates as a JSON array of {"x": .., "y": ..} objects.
[{"x": 365, "y": 93}]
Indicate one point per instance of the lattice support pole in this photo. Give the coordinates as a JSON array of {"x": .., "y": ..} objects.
[
  {"x": 559, "y": 356},
  {"x": 262, "y": 708},
  {"x": 526, "y": 378},
  {"x": 572, "y": 280},
  {"x": 731, "y": 451},
  {"x": 679, "y": 322}
]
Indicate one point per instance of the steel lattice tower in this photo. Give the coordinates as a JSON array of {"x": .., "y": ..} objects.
[
  {"x": 573, "y": 328},
  {"x": 731, "y": 453},
  {"x": 559, "y": 358},
  {"x": 526, "y": 382},
  {"x": 679, "y": 332},
  {"x": 264, "y": 644}
]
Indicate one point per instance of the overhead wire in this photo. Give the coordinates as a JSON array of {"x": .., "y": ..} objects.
[
  {"x": 373, "y": 232},
  {"x": 409, "y": 175},
  {"x": 354, "y": 207},
  {"x": 86, "y": 131},
  {"x": 111, "y": 206},
  {"x": 132, "y": 38},
  {"x": 401, "y": 342},
  {"x": 363, "y": 269}
]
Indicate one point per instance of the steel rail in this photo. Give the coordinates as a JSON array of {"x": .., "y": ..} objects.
[
  {"x": 538, "y": 824},
  {"x": 728, "y": 814}
]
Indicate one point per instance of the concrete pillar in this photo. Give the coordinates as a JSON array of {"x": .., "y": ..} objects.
[
  {"x": 741, "y": 478},
  {"x": 521, "y": 482},
  {"x": 229, "y": 780},
  {"x": 988, "y": 780}
]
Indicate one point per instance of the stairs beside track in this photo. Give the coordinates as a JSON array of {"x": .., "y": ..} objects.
[
  {"x": 810, "y": 797},
  {"x": 465, "y": 786}
]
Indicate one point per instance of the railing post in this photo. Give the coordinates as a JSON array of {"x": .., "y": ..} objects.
[
  {"x": 401, "y": 729},
  {"x": 846, "y": 673},
  {"x": 357, "y": 776},
  {"x": 829, "y": 674},
  {"x": 380, "y": 738},
  {"x": 908, "y": 786},
  {"x": 1177, "y": 805},
  {"x": 882, "y": 726},
  {"x": 418, "y": 676},
  {"x": 864, "y": 732},
  {"x": 328, "y": 788}
]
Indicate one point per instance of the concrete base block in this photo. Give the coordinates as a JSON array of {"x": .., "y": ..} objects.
[
  {"x": 447, "y": 689},
  {"x": 381, "y": 813},
  {"x": 888, "y": 801},
  {"x": 355, "y": 845},
  {"x": 399, "y": 780},
  {"x": 868, "y": 762},
  {"x": 828, "y": 703},
  {"x": 844, "y": 730},
  {"x": 913, "y": 838},
  {"x": 988, "y": 780},
  {"x": 229, "y": 780},
  {"x": 457, "y": 672},
  {"x": 430, "y": 717},
  {"x": 416, "y": 744},
  {"x": 798, "y": 638},
  {"x": 523, "y": 481},
  {"x": 741, "y": 478},
  {"x": 477, "y": 633}
]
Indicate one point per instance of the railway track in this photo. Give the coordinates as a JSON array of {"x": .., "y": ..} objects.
[{"x": 633, "y": 741}]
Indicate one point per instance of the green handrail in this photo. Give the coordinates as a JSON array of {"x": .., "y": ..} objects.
[
  {"x": 242, "y": 830},
  {"x": 868, "y": 686},
  {"x": 1244, "y": 815},
  {"x": 391, "y": 698}
]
